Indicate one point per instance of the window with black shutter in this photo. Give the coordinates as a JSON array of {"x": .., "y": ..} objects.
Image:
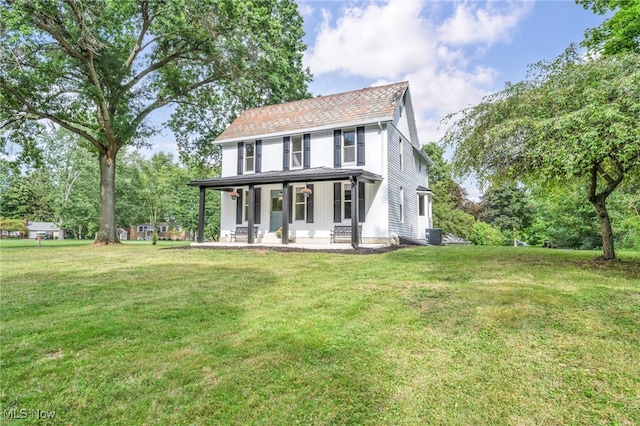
[
  {"x": 310, "y": 204},
  {"x": 249, "y": 157},
  {"x": 360, "y": 143},
  {"x": 290, "y": 203},
  {"x": 337, "y": 147},
  {"x": 361, "y": 202},
  {"x": 296, "y": 152},
  {"x": 257, "y": 194},
  {"x": 307, "y": 151},
  {"x": 239, "y": 207},
  {"x": 286, "y": 146},
  {"x": 349, "y": 146},
  {"x": 337, "y": 202},
  {"x": 240, "y": 157},
  {"x": 258, "y": 156}
]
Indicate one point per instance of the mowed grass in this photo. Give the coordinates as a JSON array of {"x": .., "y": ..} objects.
[{"x": 138, "y": 334}]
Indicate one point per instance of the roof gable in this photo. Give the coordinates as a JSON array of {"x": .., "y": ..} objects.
[{"x": 367, "y": 105}]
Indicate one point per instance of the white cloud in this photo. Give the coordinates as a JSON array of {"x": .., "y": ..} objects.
[
  {"x": 412, "y": 40},
  {"x": 305, "y": 9},
  {"x": 374, "y": 41},
  {"x": 471, "y": 24},
  {"x": 434, "y": 45}
]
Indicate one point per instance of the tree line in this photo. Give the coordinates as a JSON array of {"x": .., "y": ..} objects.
[
  {"x": 572, "y": 123},
  {"x": 62, "y": 186},
  {"x": 536, "y": 214}
]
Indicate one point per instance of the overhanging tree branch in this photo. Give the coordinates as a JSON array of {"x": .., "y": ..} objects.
[
  {"x": 43, "y": 115},
  {"x": 40, "y": 21},
  {"x": 146, "y": 22},
  {"x": 159, "y": 103}
]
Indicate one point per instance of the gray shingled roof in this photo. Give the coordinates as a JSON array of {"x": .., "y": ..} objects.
[{"x": 362, "y": 106}]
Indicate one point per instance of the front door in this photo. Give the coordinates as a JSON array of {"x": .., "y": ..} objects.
[{"x": 276, "y": 210}]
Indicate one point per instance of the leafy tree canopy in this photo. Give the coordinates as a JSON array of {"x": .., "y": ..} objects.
[
  {"x": 507, "y": 207},
  {"x": 574, "y": 117},
  {"x": 13, "y": 225},
  {"x": 618, "y": 34},
  {"x": 100, "y": 68}
]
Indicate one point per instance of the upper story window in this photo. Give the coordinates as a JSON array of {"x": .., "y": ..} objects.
[
  {"x": 249, "y": 156},
  {"x": 296, "y": 152},
  {"x": 400, "y": 148},
  {"x": 349, "y": 146}
]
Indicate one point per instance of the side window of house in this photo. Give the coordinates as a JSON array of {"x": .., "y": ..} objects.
[
  {"x": 421, "y": 205},
  {"x": 347, "y": 201},
  {"x": 249, "y": 157},
  {"x": 296, "y": 152},
  {"x": 349, "y": 146},
  {"x": 400, "y": 148}
]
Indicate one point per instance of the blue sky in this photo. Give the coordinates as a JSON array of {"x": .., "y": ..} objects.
[{"x": 451, "y": 52}]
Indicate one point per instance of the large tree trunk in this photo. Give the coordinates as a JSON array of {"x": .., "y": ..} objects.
[
  {"x": 599, "y": 202},
  {"x": 107, "y": 233}
]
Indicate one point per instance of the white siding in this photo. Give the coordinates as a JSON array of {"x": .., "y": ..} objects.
[
  {"x": 408, "y": 179},
  {"x": 375, "y": 224},
  {"x": 321, "y": 152},
  {"x": 229, "y": 160},
  {"x": 271, "y": 154},
  {"x": 382, "y": 203},
  {"x": 401, "y": 120}
]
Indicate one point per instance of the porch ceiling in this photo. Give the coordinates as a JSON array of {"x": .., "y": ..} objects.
[{"x": 317, "y": 174}]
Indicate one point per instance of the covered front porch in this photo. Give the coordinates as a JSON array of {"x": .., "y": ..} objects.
[{"x": 286, "y": 189}]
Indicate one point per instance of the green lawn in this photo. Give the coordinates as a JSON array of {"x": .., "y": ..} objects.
[{"x": 139, "y": 334}]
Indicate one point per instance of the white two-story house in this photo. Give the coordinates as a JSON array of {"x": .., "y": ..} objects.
[{"x": 317, "y": 167}]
